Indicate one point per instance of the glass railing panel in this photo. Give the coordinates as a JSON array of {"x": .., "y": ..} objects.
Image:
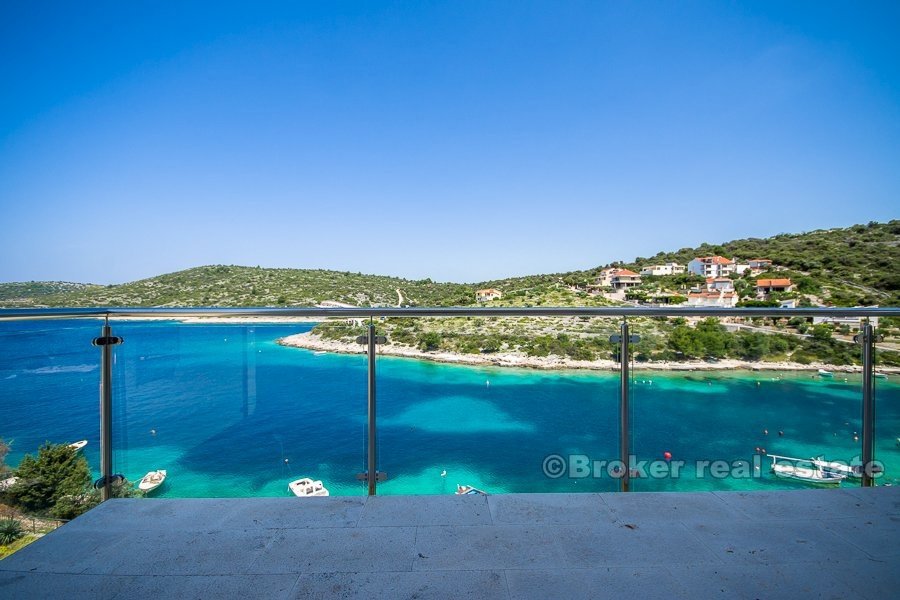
[
  {"x": 886, "y": 387},
  {"x": 483, "y": 402},
  {"x": 731, "y": 401},
  {"x": 234, "y": 410},
  {"x": 49, "y": 375}
]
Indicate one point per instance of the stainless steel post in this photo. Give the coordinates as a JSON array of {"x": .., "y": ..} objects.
[
  {"x": 624, "y": 438},
  {"x": 106, "y": 454},
  {"x": 371, "y": 468},
  {"x": 868, "y": 404}
]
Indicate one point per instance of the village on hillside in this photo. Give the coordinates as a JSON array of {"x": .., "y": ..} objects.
[{"x": 706, "y": 281}]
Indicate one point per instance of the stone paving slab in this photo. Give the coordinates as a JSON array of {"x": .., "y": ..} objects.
[
  {"x": 487, "y": 585},
  {"x": 355, "y": 550},
  {"x": 387, "y": 511},
  {"x": 789, "y": 544},
  {"x": 531, "y": 509}
]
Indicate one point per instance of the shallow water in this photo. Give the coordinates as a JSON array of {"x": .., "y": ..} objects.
[{"x": 228, "y": 412}]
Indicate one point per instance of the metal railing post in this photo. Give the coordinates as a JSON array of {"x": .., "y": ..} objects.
[
  {"x": 371, "y": 464},
  {"x": 624, "y": 437},
  {"x": 867, "y": 340},
  {"x": 624, "y": 339},
  {"x": 106, "y": 341},
  {"x": 371, "y": 474}
]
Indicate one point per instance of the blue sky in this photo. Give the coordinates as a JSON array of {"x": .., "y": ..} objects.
[{"x": 455, "y": 140}]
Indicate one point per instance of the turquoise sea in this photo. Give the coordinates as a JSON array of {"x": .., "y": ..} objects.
[{"x": 228, "y": 412}]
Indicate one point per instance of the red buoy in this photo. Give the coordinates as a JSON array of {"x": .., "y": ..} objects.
[{"x": 667, "y": 455}]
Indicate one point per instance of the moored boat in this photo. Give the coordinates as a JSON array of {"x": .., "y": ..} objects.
[
  {"x": 824, "y": 373},
  {"x": 307, "y": 488},
  {"x": 463, "y": 490},
  {"x": 78, "y": 445},
  {"x": 852, "y": 471},
  {"x": 152, "y": 480},
  {"x": 801, "y": 469}
]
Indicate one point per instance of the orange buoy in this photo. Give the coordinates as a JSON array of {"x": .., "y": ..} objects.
[{"x": 667, "y": 455}]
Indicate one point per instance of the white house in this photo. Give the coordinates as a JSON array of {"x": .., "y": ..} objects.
[
  {"x": 720, "y": 299},
  {"x": 487, "y": 295},
  {"x": 618, "y": 279},
  {"x": 852, "y": 322},
  {"x": 715, "y": 284},
  {"x": 711, "y": 266},
  {"x": 755, "y": 266},
  {"x": 664, "y": 269}
]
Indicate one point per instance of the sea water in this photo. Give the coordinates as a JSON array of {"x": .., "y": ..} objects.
[{"x": 227, "y": 411}]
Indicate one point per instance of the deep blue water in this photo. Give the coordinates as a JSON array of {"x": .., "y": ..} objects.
[{"x": 228, "y": 412}]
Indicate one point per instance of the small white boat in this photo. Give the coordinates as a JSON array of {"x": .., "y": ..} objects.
[
  {"x": 824, "y": 373},
  {"x": 319, "y": 352},
  {"x": 152, "y": 480},
  {"x": 881, "y": 375},
  {"x": 307, "y": 488},
  {"x": 852, "y": 471},
  {"x": 801, "y": 469},
  {"x": 468, "y": 490},
  {"x": 78, "y": 445}
]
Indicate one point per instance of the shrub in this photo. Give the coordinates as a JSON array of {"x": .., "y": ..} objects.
[{"x": 10, "y": 531}]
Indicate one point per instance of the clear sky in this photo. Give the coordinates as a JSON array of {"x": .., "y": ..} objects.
[{"x": 454, "y": 140}]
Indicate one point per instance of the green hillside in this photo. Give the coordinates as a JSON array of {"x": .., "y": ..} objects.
[
  {"x": 852, "y": 266},
  {"x": 846, "y": 267},
  {"x": 34, "y": 292}
]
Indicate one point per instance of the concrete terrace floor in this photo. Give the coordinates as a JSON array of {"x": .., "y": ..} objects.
[{"x": 789, "y": 544}]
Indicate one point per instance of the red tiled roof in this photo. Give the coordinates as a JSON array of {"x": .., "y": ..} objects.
[
  {"x": 618, "y": 272},
  {"x": 716, "y": 260},
  {"x": 773, "y": 282}
]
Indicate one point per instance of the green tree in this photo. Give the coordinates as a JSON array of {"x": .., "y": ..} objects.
[
  {"x": 430, "y": 341},
  {"x": 684, "y": 341},
  {"x": 753, "y": 345},
  {"x": 822, "y": 332},
  {"x": 57, "y": 472}
]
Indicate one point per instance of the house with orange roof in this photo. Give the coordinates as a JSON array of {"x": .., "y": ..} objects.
[
  {"x": 618, "y": 279},
  {"x": 711, "y": 266},
  {"x": 487, "y": 295},
  {"x": 764, "y": 287}
]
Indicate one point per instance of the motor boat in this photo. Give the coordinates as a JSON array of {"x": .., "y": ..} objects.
[
  {"x": 307, "y": 488},
  {"x": 78, "y": 445},
  {"x": 152, "y": 480},
  {"x": 852, "y": 471},
  {"x": 468, "y": 490},
  {"x": 801, "y": 469}
]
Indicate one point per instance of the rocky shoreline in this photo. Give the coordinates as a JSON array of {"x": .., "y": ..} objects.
[{"x": 311, "y": 341}]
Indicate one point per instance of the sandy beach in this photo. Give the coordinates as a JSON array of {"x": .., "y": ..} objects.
[{"x": 311, "y": 341}]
